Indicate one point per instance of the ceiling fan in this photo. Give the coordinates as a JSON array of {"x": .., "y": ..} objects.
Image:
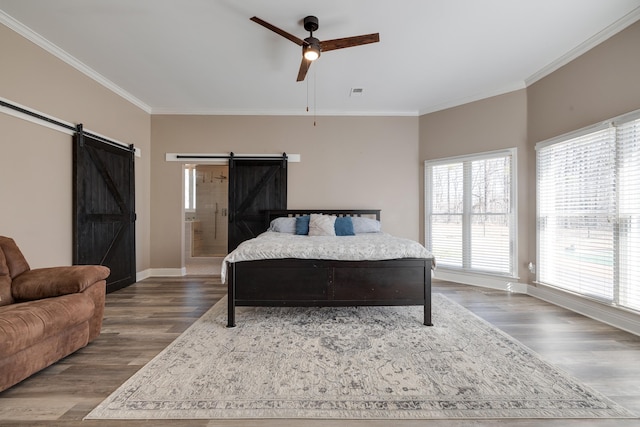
[{"x": 312, "y": 47}]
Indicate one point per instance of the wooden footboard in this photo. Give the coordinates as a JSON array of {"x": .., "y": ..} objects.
[{"x": 320, "y": 283}]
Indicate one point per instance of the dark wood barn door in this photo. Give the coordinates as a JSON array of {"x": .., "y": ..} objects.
[
  {"x": 104, "y": 211},
  {"x": 254, "y": 186}
]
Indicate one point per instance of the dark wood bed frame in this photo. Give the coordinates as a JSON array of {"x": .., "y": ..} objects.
[{"x": 323, "y": 283}]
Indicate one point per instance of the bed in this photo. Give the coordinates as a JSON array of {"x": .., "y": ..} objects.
[{"x": 285, "y": 269}]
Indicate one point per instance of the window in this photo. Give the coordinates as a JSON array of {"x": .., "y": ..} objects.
[
  {"x": 588, "y": 218},
  {"x": 470, "y": 211},
  {"x": 190, "y": 188},
  {"x": 628, "y": 236}
]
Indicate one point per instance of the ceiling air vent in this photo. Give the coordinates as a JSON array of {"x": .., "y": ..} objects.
[{"x": 356, "y": 91}]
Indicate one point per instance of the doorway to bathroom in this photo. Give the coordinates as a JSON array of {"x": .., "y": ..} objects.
[{"x": 206, "y": 207}]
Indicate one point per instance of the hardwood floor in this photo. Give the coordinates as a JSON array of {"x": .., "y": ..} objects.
[{"x": 143, "y": 319}]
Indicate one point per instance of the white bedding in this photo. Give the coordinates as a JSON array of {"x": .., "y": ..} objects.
[{"x": 361, "y": 247}]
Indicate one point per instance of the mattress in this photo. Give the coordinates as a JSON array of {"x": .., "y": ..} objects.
[{"x": 361, "y": 247}]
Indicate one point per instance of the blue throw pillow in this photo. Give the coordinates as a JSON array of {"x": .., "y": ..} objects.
[
  {"x": 344, "y": 226},
  {"x": 302, "y": 225}
]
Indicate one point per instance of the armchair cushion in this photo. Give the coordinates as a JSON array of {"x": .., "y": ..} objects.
[
  {"x": 16, "y": 262},
  {"x": 25, "y": 324},
  {"x": 55, "y": 281},
  {"x": 5, "y": 282}
]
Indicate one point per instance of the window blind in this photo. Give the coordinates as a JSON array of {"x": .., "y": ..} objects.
[
  {"x": 576, "y": 207},
  {"x": 469, "y": 212},
  {"x": 628, "y": 171},
  {"x": 588, "y": 222},
  {"x": 446, "y": 217}
]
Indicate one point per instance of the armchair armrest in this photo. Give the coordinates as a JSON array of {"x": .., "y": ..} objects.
[{"x": 55, "y": 281}]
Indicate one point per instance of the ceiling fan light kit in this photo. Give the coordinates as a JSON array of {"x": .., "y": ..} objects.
[
  {"x": 312, "y": 47},
  {"x": 311, "y": 51}
]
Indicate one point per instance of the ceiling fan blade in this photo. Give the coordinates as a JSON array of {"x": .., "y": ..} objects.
[
  {"x": 277, "y": 30},
  {"x": 304, "y": 67},
  {"x": 328, "y": 45}
]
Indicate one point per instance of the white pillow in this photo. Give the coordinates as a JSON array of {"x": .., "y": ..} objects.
[
  {"x": 283, "y": 225},
  {"x": 322, "y": 225},
  {"x": 365, "y": 225}
]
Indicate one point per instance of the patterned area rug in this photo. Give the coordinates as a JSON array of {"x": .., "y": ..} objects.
[{"x": 351, "y": 363}]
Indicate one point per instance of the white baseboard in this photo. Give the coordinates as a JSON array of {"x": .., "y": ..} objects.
[
  {"x": 492, "y": 282},
  {"x": 166, "y": 272},
  {"x": 616, "y": 317},
  {"x": 144, "y": 274}
]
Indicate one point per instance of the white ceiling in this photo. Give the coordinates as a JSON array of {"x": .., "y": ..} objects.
[{"x": 207, "y": 57}]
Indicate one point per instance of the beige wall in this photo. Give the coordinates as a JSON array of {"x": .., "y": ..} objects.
[
  {"x": 490, "y": 124},
  {"x": 36, "y": 163},
  {"x": 347, "y": 162}
]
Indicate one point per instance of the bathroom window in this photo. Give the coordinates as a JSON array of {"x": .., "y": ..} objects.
[{"x": 190, "y": 188}]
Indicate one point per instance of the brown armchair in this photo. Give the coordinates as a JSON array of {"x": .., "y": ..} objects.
[{"x": 45, "y": 313}]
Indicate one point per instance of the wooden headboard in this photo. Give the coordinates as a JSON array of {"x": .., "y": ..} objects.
[{"x": 271, "y": 215}]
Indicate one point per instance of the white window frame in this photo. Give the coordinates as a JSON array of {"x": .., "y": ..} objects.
[
  {"x": 190, "y": 188},
  {"x": 513, "y": 230},
  {"x": 615, "y": 290}
]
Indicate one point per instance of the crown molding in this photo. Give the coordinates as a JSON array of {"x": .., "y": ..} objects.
[
  {"x": 473, "y": 98},
  {"x": 59, "y": 53},
  {"x": 299, "y": 112},
  {"x": 586, "y": 46}
]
